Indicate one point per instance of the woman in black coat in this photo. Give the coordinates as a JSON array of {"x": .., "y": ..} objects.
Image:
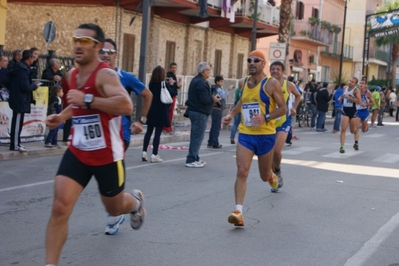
[{"x": 157, "y": 116}]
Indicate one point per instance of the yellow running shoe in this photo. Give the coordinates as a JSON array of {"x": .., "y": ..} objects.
[
  {"x": 236, "y": 218},
  {"x": 273, "y": 181}
]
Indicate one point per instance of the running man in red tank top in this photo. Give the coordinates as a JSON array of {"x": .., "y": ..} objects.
[{"x": 97, "y": 100}]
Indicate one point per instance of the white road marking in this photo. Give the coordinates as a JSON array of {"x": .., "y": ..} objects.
[
  {"x": 127, "y": 168},
  {"x": 375, "y": 135},
  {"x": 388, "y": 158},
  {"x": 349, "y": 169},
  {"x": 299, "y": 150},
  {"x": 372, "y": 245},
  {"x": 347, "y": 154}
]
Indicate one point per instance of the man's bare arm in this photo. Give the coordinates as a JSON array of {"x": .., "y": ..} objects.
[{"x": 115, "y": 99}]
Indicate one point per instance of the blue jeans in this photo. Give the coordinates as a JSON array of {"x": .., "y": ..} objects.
[
  {"x": 52, "y": 136},
  {"x": 197, "y": 133},
  {"x": 236, "y": 122},
  {"x": 321, "y": 116},
  {"x": 314, "y": 114},
  {"x": 215, "y": 128},
  {"x": 337, "y": 120}
]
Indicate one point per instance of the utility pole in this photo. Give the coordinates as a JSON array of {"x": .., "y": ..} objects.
[
  {"x": 255, "y": 21},
  {"x": 342, "y": 45},
  {"x": 145, "y": 29}
]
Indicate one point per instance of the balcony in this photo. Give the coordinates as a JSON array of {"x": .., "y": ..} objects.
[
  {"x": 311, "y": 34},
  {"x": 379, "y": 55},
  {"x": 334, "y": 50}
]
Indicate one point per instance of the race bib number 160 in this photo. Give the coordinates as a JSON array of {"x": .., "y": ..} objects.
[{"x": 88, "y": 134}]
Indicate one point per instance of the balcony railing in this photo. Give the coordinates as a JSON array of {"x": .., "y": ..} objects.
[
  {"x": 335, "y": 49},
  {"x": 379, "y": 55},
  {"x": 266, "y": 12},
  {"x": 313, "y": 32}
]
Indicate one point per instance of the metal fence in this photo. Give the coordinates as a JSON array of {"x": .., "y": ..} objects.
[{"x": 66, "y": 62}]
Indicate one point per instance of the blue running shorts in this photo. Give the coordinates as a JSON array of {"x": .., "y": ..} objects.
[
  {"x": 363, "y": 114},
  {"x": 259, "y": 144}
]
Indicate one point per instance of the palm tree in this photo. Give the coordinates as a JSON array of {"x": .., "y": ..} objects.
[
  {"x": 285, "y": 21},
  {"x": 388, "y": 40}
]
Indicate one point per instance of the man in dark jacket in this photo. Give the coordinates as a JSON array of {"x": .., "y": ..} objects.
[
  {"x": 20, "y": 97},
  {"x": 322, "y": 99},
  {"x": 34, "y": 67},
  {"x": 199, "y": 107},
  {"x": 4, "y": 73}
]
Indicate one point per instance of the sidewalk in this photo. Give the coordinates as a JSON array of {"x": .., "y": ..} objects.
[{"x": 37, "y": 149}]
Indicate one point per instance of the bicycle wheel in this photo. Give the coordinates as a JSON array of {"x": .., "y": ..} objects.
[
  {"x": 301, "y": 118},
  {"x": 308, "y": 117}
]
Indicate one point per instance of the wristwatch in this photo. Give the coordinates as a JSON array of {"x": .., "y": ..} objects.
[
  {"x": 267, "y": 118},
  {"x": 143, "y": 120},
  {"x": 88, "y": 99}
]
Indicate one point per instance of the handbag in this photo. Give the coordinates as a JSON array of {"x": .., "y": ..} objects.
[{"x": 165, "y": 95}]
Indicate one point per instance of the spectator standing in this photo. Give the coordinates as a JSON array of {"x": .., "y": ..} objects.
[
  {"x": 237, "y": 117},
  {"x": 337, "y": 108},
  {"x": 392, "y": 102},
  {"x": 312, "y": 90},
  {"x": 217, "y": 108},
  {"x": 383, "y": 105},
  {"x": 20, "y": 97},
  {"x": 55, "y": 107},
  {"x": 323, "y": 98},
  {"x": 131, "y": 83},
  {"x": 16, "y": 57},
  {"x": 52, "y": 72},
  {"x": 34, "y": 68},
  {"x": 199, "y": 107},
  {"x": 158, "y": 115},
  {"x": 397, "y": 109},
  {"x": 177, "y": 83}
]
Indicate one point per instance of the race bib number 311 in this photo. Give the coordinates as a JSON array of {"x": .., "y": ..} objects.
[
  {"x": 248, "y": 111},
  {"x": 88, "y": 133}
]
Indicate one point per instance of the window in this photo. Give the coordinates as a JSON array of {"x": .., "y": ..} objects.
[
  {"x": 128, "y": 52},
  {"x": 325, "y": 73},
  {"x": 300, "y": 10},
  {"x": 240, "y": 63},
  {"x": 170, "y": 53},
  {"x": 217, "y": 68},
  {"x": 315, "y": 12}
]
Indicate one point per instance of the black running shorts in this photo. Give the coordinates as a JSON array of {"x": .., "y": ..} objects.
[{"x": 110, "y": 177}]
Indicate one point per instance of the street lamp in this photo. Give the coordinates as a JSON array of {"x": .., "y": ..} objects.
[{"x": 341, "y": 58}]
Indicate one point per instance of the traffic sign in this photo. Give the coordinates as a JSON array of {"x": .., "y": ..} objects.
[
  {"x": 49, "y": 32},
  {"x": 277, "y": 51}
]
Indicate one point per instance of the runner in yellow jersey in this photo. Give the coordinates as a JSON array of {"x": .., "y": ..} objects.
[
  {"x": 257, "y": 105},
  {"x": 283, "y": 123}
]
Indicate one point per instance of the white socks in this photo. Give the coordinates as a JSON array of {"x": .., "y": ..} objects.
[{"x": 239, "y": 207}]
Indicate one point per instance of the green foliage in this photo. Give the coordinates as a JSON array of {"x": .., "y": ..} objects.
[
  {"x": 314, "y": 21},
  {"x": 336, "y": 28},
  {"x": 335, "y": 76},
  {"x": 379, "y": 82}
]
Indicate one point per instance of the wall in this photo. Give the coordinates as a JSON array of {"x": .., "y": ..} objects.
[
  {"x": 193, "y": 43},
  {"x": 3, "y": 12}
]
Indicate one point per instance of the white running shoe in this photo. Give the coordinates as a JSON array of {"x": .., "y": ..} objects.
[
  {"x": 144, "y": 156},
  {"x": 113, "y": 223},
  {"x": 137, "y": 218},
  {"x": 156, "y": 158},
  {"x": 195, "y": 165}
]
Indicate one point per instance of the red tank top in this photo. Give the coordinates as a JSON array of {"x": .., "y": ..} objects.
[{"x": 96, "y": 136}]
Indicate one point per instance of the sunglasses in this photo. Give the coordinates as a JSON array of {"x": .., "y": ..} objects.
[
  {"x": 255, "y": 60},
  {"x": 108, "y": 51},
  {"x": 84, "y": 40}
]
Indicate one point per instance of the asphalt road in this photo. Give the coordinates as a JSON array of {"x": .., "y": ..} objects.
[{"x": 334, "y": 209}]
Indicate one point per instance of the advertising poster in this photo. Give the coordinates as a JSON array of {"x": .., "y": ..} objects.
[{"x": 33, "y": 126}]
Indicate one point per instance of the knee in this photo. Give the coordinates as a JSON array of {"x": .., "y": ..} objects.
[
  {"x": 242, "y": 173},
  {"x": 61, "y": 209}
]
